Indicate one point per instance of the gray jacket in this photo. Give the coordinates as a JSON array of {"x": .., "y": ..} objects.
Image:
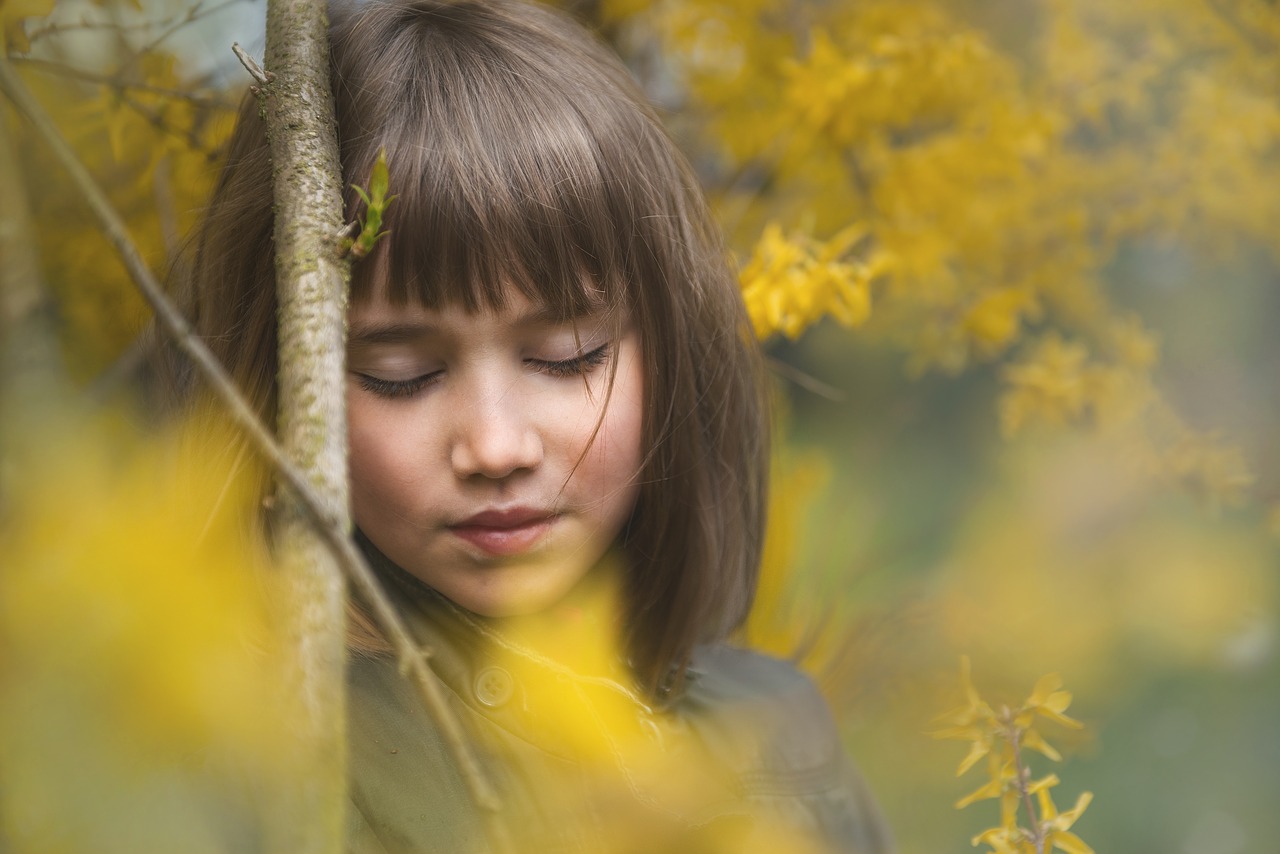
[{"x": 748, "y": 757}]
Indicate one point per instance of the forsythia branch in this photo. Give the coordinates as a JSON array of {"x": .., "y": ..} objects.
[{"x": 1002, "y": 737}]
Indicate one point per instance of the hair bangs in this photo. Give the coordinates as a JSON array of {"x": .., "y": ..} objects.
[{"x": 500, "y": 182}]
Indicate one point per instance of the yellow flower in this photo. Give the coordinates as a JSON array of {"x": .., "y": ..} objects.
[
  {"x": 994, "y": 321},
  {"x": 1004, "y": 840},
  {"x": 1047, "y": 699},
  {"x": 1049, "y": 385},
  {"x": 973, "y": 722},
  {"x": 1133, "y": 344},
  {"x": 140, "y": 655},
  {"x": 1057, "y": 825},
  {"x": 790, "y": 283}
]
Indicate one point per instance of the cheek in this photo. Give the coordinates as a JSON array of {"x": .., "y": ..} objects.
[
  {"x": 368, "y": 472},
  {"x": 379, "y": 448},
  {"x": 365, "y": 458},
  {"x": 615, "y": 456},
  {"x": 363, "y": 443}
]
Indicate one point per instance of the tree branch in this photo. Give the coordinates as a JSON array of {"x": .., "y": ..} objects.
[
  {"x": 412, "y": 659},
  {"x": 311, "y": 418},
  {"x": 122, "y": 85}
]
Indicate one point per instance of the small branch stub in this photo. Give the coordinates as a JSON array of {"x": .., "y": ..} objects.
[{"x": 251, "y": 65}]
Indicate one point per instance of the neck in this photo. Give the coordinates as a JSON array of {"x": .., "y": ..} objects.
[{"x": 582, "y": 632}]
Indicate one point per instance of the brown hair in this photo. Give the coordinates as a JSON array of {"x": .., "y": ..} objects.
[{"x": 523, "y": 155}]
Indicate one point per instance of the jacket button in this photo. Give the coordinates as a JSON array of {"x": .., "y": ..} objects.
[{"x": 494, "y": 687}]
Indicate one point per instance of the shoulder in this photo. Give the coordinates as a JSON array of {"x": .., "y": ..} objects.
[
  {"x": 773, "y": 712},
  {"x": 733, "y": 673},
  {"x": 767, "y": 723}
]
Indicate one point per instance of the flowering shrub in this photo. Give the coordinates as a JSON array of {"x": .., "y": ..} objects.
[{"x": 1003, "y": 736}]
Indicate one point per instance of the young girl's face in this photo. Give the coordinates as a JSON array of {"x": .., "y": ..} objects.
[{"x": 489, "y": 455}]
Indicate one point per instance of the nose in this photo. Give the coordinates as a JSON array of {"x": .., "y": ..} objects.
[{"x": 495, "y": 435}]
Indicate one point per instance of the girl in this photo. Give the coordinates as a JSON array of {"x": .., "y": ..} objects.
[{"x": 554, "y": 402}]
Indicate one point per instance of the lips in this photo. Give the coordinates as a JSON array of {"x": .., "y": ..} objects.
[{"x": 505, "y": 532}]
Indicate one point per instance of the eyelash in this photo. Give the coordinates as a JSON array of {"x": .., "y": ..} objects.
[
  {"x": 577, "y": 366},
  {"x": 396, "y": 388}
]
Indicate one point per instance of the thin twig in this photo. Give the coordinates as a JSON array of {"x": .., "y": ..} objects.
[
  {"x": 156, "y": 119},
  {"x": 53, "y": 28},
  {"x": 806, "y": 380},
  {"x": 412, "y": 659},
  {"x": 193, "y": 14},
  {"x": 1024, "y": 775},
  {"x": 122, "y": 85},
  {"x": 250, "y": 64}
]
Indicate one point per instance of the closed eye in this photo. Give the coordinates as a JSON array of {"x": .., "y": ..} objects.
[
  {"x": 396, "y": 388},
  {"x": 575, "y": 367}
]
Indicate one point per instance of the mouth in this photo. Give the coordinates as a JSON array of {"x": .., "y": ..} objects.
[{"x": 502, "y": 533}]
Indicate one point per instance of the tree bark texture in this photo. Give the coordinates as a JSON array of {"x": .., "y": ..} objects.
[{"x": 311, "y": 289}]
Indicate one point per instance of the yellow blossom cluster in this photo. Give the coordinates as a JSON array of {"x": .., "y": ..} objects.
[
  {"x": 790, "y": 283},
  {"x": 1058, "y": 382},
  {"x": 1002, "y": 181},
  {"x": 1208, "y": 467},
  {"x": 140, "y": 674},
  {"x": 892, "y": 82},
  {"x": 1002, "y": 736}
]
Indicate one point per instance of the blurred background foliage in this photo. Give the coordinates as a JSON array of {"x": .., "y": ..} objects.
[{"x": 1015, "y": 265}]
